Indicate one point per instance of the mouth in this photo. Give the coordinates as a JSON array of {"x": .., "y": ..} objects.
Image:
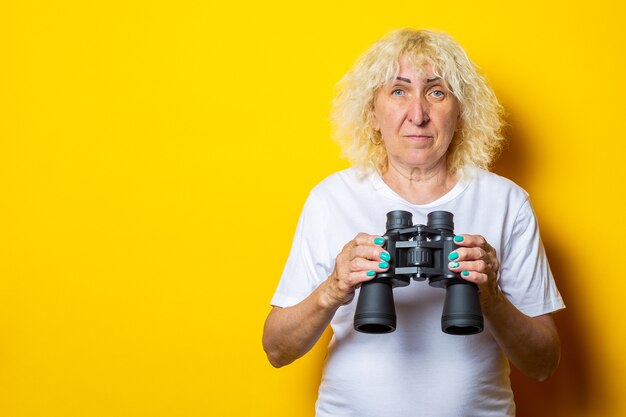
[{"x": 419, "y": 138}]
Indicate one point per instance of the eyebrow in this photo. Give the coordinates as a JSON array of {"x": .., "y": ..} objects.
[{"x": 428, "y": 81}]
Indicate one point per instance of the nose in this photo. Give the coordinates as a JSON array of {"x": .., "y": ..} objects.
[{"x": 418, "y": 112}]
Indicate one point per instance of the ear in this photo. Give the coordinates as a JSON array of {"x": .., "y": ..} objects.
[
  {"x": 459, "y": 119},
  {"x": 375, "y": 122}
]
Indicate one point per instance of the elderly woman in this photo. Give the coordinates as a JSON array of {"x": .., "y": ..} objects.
[{"x": 421, "y": 127}]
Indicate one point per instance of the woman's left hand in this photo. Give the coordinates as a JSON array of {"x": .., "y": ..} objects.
[{"x": 476, "y": 261}]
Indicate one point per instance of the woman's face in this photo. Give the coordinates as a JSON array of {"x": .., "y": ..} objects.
[{"x": 417, "y": 116}]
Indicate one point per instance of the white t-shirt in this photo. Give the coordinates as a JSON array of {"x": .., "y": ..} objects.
[{"x": 417, "y": 370}]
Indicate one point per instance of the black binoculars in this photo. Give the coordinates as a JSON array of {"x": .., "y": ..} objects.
[{"x": 419, "y": 252}]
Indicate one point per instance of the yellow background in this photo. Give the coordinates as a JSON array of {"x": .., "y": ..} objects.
[{"x": 154, "y": 158}]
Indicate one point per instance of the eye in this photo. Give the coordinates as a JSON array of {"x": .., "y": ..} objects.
[
  {"x": 397, "y": 92},
  {"x": 437, "y": 93}
]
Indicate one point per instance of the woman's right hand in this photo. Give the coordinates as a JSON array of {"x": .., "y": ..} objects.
[
  {"x": 358, "y": 262},
  {"x": 291, "y": 332}
]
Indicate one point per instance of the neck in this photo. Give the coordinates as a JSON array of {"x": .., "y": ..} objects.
[{"x": 419, "y": 185}]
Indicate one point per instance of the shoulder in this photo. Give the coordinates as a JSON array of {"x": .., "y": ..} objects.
[
  {"x": 495, "y": 185},
  {"x": 342, "y": 181},
  {"x": 332, "y": 189},
  {"x": 342, "y": 195}
]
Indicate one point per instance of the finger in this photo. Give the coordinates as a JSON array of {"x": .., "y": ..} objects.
[
  {"x": 368, "y": 240},
  {"x": 361, "y": 259},
  {"x": 367, "y": 246},
  {"x": 347, "y": 283},
  {"x": 361, "y": 239},
  {"x": 362, "y": 264},
  {"x": 374, "y": 253},
  {"x": 477, "y": 278},
  {"x": 355, "y": 279},
  {"x": 481, "y": 248},
  {"x": 468, "y": 254},
  {"x": 470, "y": 241},
  {"x": 478, "y": 266},
  {"x": 468, "y": 274}
]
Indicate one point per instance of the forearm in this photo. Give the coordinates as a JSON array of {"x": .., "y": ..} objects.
[
  {"x": 531, "y": 343},
  {"x": 291, "y": 332}
]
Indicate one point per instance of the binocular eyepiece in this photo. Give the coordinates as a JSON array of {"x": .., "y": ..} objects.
[{"x": 419, "y": 252}]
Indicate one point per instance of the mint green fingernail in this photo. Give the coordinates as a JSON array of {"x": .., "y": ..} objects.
[
  {"x": 383, "y": 265},
  {"x": 371, "y": 273},
  {"x": 454, "y": 264},
  {"x": 379, "y": 241},
  {"x": 385, "y": 256},
  {"x": 465, "y": 273},
  {"x": 453, "y": 256},
  {"x": 458, "y": 238}
]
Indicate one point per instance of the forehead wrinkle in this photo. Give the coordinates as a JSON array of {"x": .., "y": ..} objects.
[{"x": 422, "y": 68}]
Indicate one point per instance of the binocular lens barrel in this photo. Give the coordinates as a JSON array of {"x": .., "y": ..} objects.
[
  {"x": 461, "y": 310},
  {"x": 375, "y": 310}
]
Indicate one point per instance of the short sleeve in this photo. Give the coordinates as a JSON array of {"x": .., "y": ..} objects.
[
  {"x": 525, "y": 275},
  {"x": 308, "y": 262}
]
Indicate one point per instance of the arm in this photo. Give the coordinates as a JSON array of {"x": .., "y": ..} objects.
[
  {"x": 291, "y": 332},
  {"x": 533, "y": 346},
  {"x": 531, "y": 343}
]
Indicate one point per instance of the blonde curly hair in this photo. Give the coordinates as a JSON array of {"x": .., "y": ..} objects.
[{"x": 479, "y": 139}]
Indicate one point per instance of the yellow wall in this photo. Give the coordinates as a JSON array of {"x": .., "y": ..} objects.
[{"x": 154, "y": 157}]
